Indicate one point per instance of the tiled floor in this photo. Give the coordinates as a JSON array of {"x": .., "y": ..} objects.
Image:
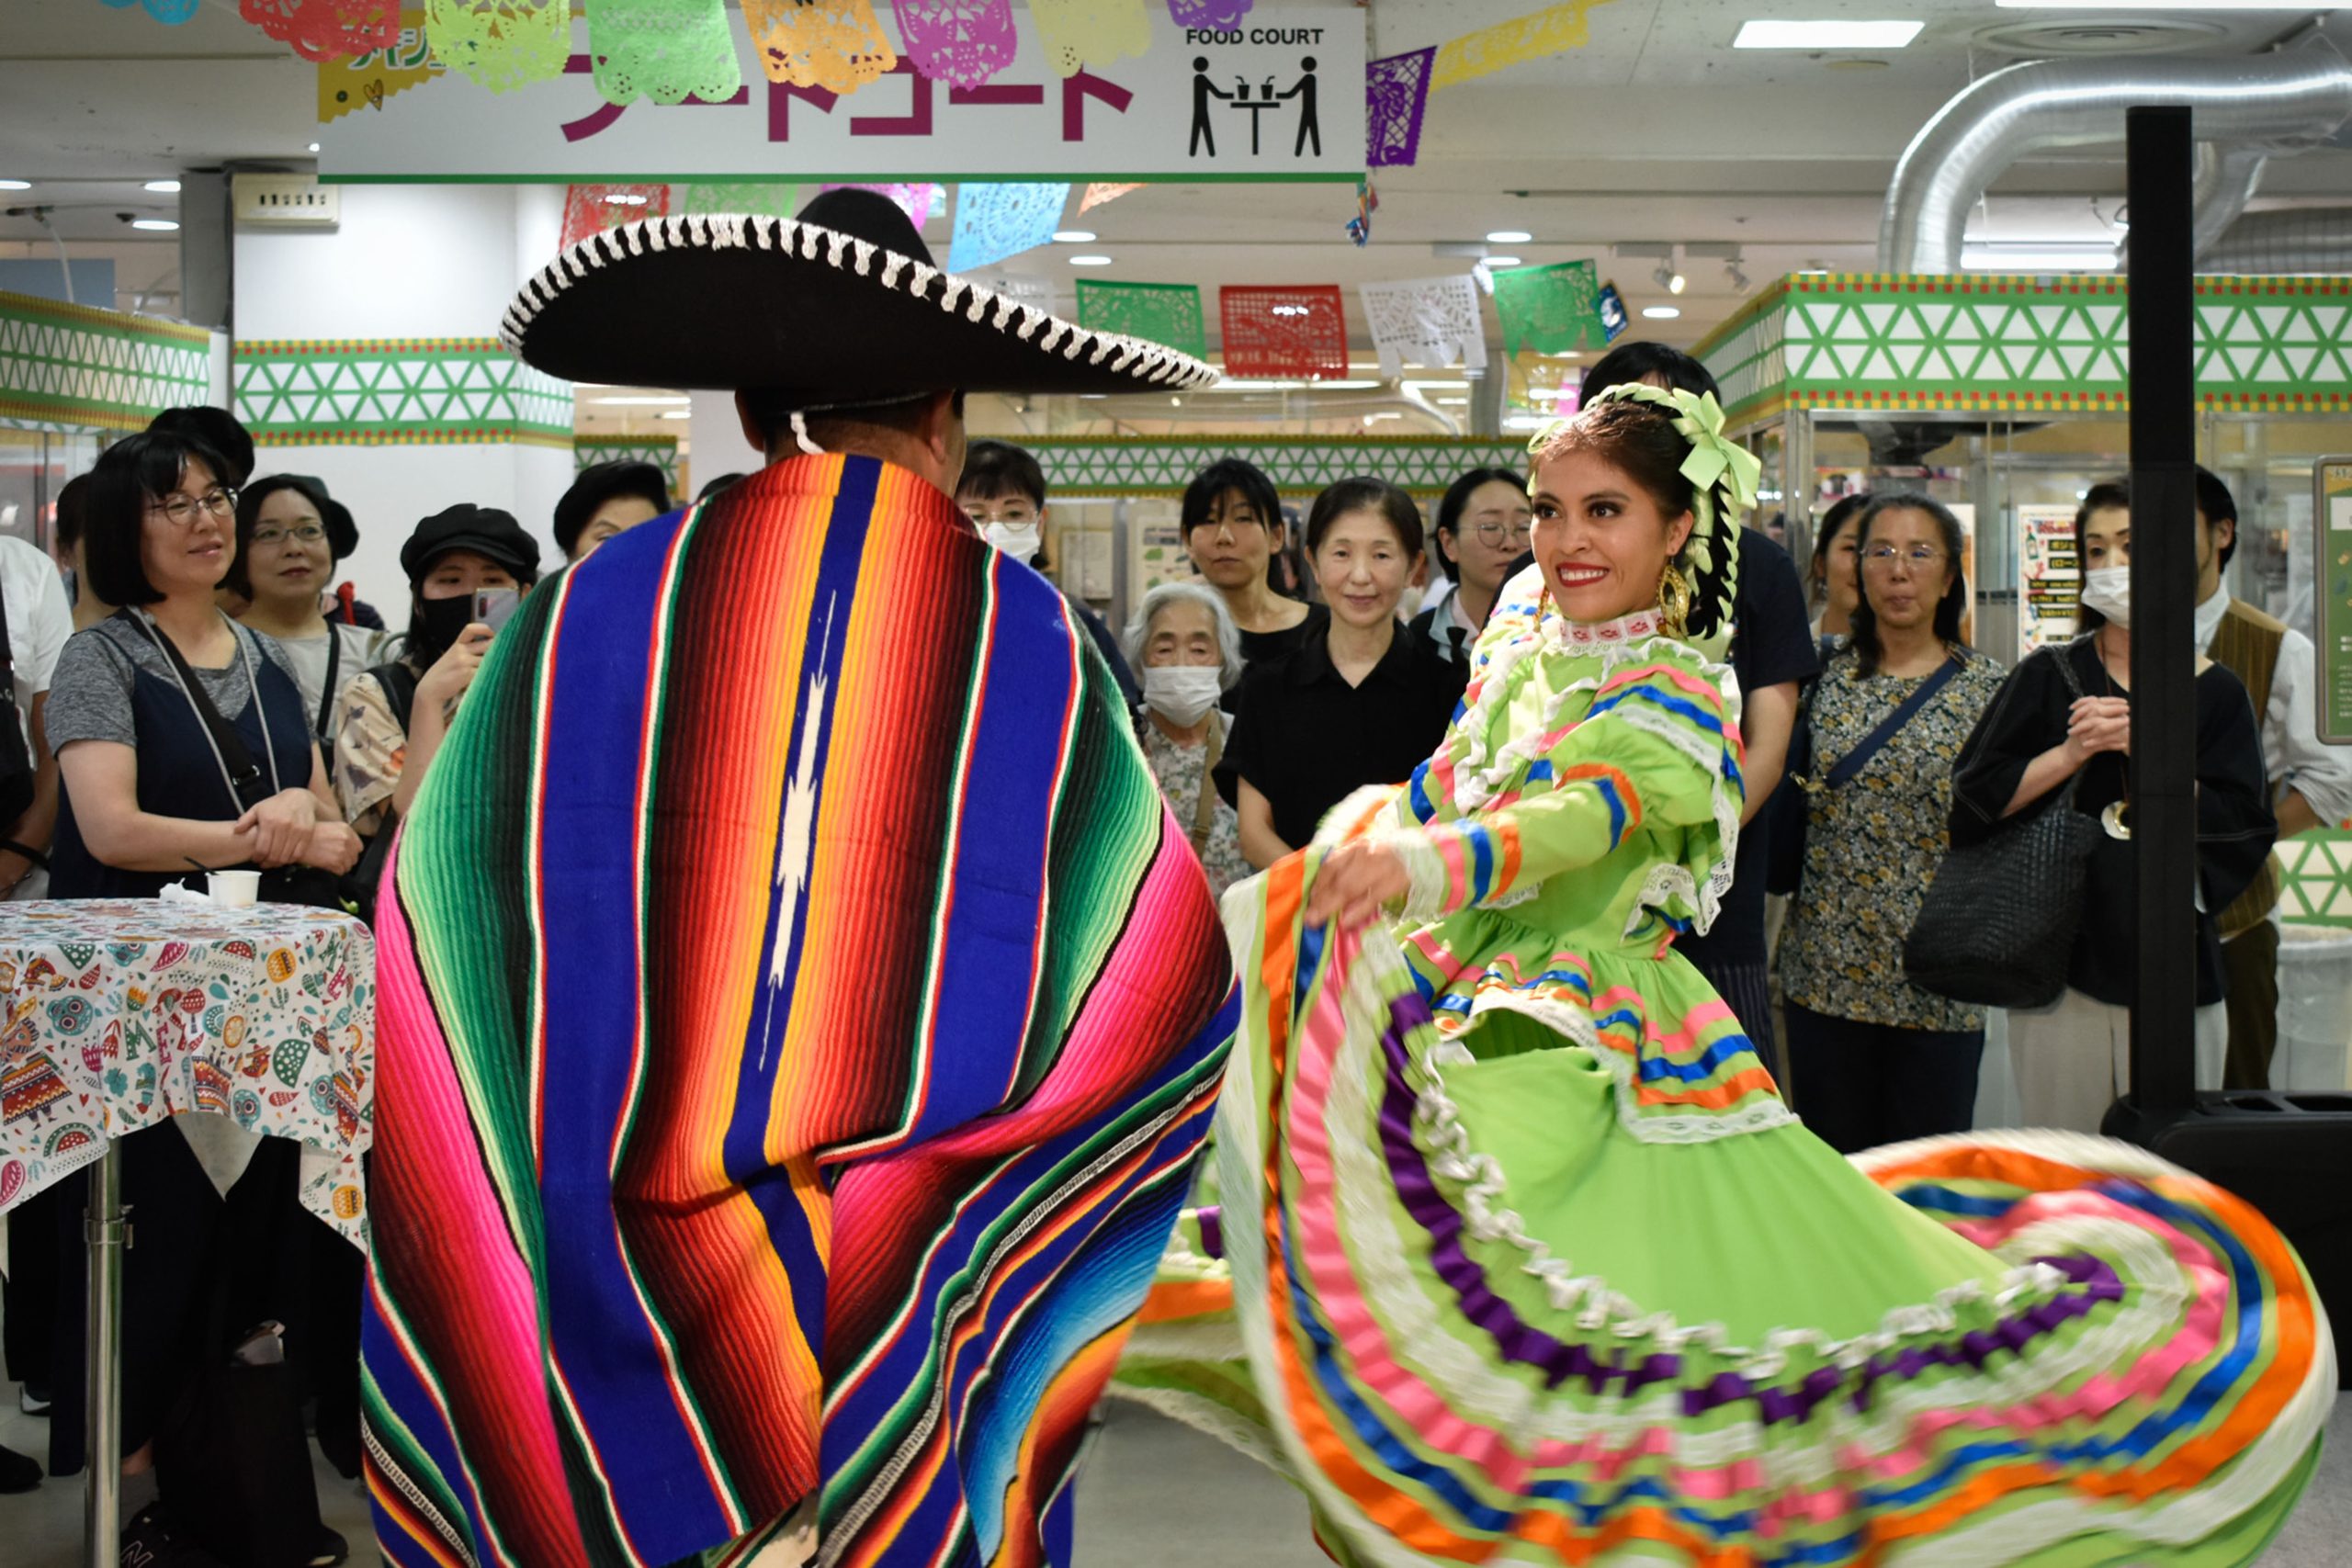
[{"x": 1153, "y": 1494}]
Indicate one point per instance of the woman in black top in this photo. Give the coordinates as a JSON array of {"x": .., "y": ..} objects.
[
  {"x": 2072, "y": 1058},
  {"x": 1233, "y": 530},
  {"x": 1359, "y": 702},
  {"x": 146, "y": 793}
]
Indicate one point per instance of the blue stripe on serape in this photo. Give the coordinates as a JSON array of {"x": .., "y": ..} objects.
[
  {"x": 745, "y": 1150},
  {"x": 412, "y": 1402},
  {"x": 986, "y": 962},
  {"x": 1416, "y": 795},
  {"x": 588, "y": 911}
]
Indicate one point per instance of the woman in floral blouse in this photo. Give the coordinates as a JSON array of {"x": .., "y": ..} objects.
[
  {"x": 1876, "y": 1059},
  {"x": 1186, "y": 650}
]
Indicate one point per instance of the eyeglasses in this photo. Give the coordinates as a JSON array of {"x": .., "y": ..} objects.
[
  {"x": 182, "y": 509},
  {"x": 308, "y": 532},
  {"x": 1883, "y": 556},
  {"x": 1496, "y": 534}
]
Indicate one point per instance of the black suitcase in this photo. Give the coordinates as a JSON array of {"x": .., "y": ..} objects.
[{"x": 2289, "y": 1154}]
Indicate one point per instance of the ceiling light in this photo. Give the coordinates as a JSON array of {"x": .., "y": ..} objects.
[
  {"x": 1508, "y": 237},
  {"x": 1666, "y": 277},
  {"x": 625, "y": 199},
  {"x": 2040, "y": 255},
  {"x": 641, "y": 402},
  {"x": 16, "y": 185},
  {"x": 1439, "y": 386},
  {"x": 1453, "y": 402},
  {"x": 1527, "y": 421},
  {"x": 1503, "y": 261},
  {"x": 163, "y": 188},
  {"x": 1676, "y": 284},
  {"x": 1385, "y": 413},
  {"x": 1566, "y": 354},
  {"x": 675, "y": 413},
  {"x": 314, "y": 146},
  {"x": 1073, "y": 237},
  {"x": 1092, "y": 397},
  {"x": 1662, "y": 312},
  {"x": 1175, "y": 402},
  {"x": 1089, "y": 261},
  {"x": 154, "y": 225},
  {"x": 1775, "y": 34}
]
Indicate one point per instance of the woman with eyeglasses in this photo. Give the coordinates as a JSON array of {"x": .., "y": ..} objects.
[
  {"x": 1877, "y": 1059},
  {"x": 286, "y": 555},
  {"x": 1482, "y": 527},
  {"x": 148, "y": 796}
]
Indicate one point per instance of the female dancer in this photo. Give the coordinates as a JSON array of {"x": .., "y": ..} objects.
[{"x": 1532, "y": 1263}]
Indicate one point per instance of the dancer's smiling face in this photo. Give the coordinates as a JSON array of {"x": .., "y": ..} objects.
[{"x": 1601, "y": 540}]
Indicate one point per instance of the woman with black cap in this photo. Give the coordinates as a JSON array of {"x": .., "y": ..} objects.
[
  {"x": 291, "y": 534},
  {"x": 395, "y": 714}
]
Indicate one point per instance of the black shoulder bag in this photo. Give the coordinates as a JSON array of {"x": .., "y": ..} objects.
[
  {"x": 1787, "y": 844},
  {"x": 247, "y": 789},
  {"x": 1998, "y": 926}
]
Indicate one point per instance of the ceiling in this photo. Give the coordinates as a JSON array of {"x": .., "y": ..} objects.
[{"x": 1656, "y": 130}]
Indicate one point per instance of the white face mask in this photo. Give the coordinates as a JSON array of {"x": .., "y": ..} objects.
[
  {"x": 1183, "y": 694},
  {"x": 2107, "y": 590},
  {"x": 1019, "y": 540}
]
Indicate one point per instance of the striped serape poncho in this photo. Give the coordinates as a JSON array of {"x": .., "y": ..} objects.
[{"x": 801, "y": 1021}]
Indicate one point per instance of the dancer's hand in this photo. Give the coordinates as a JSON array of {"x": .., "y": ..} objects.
[{"x": 1359, "y": 881}]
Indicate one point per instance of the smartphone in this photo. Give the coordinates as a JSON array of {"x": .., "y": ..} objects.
[{"x": 494, "y": 606}]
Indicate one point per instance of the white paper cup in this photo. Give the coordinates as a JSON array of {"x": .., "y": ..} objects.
[{"x": 233, "y": 889}]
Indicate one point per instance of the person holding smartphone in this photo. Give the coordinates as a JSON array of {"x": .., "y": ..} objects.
[{"x": 468, "y": 568}]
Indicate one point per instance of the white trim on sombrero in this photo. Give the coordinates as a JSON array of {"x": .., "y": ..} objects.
[{"x": 1152, "y": 363}]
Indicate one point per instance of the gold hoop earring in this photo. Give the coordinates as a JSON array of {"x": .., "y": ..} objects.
[{"x": 1673, "y": 600}]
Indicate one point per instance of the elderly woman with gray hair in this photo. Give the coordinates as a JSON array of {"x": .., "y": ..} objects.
[{"x": 1186, "y": 650}]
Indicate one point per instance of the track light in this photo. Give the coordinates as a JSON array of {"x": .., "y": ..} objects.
[
  {"x": 1668, "y": 279},
  {"x": 1737, "y": 279}
]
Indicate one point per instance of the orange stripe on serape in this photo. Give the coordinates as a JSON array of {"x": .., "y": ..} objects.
[
  {"x": 1180, "y": 1299},
  {"x": 1980, "y": 1492},
  {"x": 413, "y": 1530}
]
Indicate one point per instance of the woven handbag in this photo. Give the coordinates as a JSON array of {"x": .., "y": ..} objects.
[{"x": 1998, "y": 926}]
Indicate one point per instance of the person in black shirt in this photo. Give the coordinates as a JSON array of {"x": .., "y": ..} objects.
[
  {"x": 1359, "y": 702},
  {"x": 2072, "y": 1058},
  {"x": 1233, "y": 531},
  {"x": 1772, "y": 655}
]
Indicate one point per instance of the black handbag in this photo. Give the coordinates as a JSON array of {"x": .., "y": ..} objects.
[{"x": 1998, "y": 926}]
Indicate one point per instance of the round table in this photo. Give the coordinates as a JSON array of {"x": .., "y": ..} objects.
[{"x": 120, "y": 1014}]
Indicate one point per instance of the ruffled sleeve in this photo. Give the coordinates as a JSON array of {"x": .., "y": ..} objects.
[{"x": 1656, "y": 751}]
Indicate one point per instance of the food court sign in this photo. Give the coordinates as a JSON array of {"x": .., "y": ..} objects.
[{"x": 1278, "y": 96}]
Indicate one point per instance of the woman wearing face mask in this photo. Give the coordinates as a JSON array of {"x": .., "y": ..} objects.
[
  {"x": 2043, "y": 731},
  {"x": 1359, "y": 702},
  {"x": 286, "y": 555},
  {"x": 1185, "y": 644},
  {"x": 1002, "y": 491},
  {"x": 395, "y": 716}
]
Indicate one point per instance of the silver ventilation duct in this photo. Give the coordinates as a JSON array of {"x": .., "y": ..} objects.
[
  {"x": 2226, "y": 178},
  {"x": 2290, "y": 242},
  {"x": 2298, "y": 96}
]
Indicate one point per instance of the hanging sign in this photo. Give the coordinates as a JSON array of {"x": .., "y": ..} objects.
[
  {"x": 2332, "y": 571},
  {"x": 2050, "y": 576},
  {"x": 1277, "y": 97}
]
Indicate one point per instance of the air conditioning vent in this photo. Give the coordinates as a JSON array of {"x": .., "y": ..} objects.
[
  {"x": 287, "y": 201},
  {"x": 2102, "y": 35}
]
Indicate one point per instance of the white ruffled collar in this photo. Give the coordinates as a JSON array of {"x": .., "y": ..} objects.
[{"x": 1625, "y": 629}]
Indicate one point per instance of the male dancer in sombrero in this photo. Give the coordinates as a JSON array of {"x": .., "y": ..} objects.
[{"x": 799, "y": 1015}]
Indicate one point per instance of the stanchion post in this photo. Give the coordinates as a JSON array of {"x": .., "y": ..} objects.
[{"x": 106, "y": 1231}]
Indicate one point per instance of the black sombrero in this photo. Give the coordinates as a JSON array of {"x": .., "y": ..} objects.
[{"x": 838, "y": 308}]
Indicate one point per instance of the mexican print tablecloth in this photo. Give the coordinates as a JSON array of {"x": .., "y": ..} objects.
[{"x": 119, "y": 1015}]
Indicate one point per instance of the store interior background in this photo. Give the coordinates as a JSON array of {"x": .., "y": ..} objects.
[{"x": 1656, "y": 146}]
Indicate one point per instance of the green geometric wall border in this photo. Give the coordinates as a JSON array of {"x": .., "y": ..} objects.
[
  {"x": 1097, "y": 465},
  {"x": 395, "y": 392},
  {"x": 2317, "y": 887},
  {"x": 79, "y": 366},
  {"x": 662, "y": 451},
  {"x": 1874, "y": 341}
]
